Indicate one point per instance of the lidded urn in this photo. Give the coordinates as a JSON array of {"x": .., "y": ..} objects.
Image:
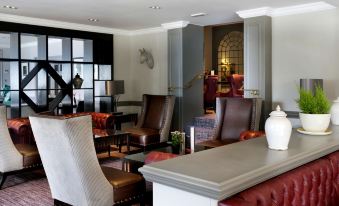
[
  {"x": 335, "y": 112},
  {"x": 278, "y": 130}
]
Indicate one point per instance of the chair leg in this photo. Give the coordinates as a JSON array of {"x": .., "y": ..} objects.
[{"x": 3, "y": 177}]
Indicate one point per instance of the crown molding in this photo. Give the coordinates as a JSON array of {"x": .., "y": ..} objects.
[
  {"x": 60, "y": 24},
  {"x": 147, "y": 31},
  {"x": 304, "y": 8},
  {"x": 285, "y": 11},
  {"x": 175, "y": 25},
  {"x": 263, "y": 11}
]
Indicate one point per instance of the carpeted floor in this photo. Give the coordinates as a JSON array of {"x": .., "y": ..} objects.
[{"x": 31, "y": 189}]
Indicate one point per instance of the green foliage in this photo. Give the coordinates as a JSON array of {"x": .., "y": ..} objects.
[
  {"x": 313, "y": 104},
  {"x": 176, "y": 138}
]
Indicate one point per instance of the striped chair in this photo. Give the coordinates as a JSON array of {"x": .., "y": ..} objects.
[
  {"x": 14, "y": 158},
  {"x": 72, "y": 167}
]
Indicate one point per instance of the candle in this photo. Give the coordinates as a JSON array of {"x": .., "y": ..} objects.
[
  {"x": 183, "y": 147},
  {"x": 192, "y": 139},
  {"x": 212, "y": 72}
]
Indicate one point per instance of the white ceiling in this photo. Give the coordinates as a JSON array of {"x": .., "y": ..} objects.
[{"x": 136, "y": 14}]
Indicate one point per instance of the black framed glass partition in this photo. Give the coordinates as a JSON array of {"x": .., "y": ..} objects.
[{"x": 37, "y": 72}]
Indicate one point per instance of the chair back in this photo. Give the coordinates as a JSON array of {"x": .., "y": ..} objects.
[
  {"x": 237, "y": 82},
  {"x": 10, "y": 157},
  {"x": 236, "y": 115},
  {"x": 68, "y": 155},
  {"x": 156, "y": 113},
  {"x": 210, "y": 88}
]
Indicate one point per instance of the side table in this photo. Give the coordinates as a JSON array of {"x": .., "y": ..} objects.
[{"x": 123, "y": 118}]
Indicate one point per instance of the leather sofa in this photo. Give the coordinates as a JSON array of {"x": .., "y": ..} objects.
[
  {"x": 315, "y": 183},
  {"x": 21, "y": 132}
]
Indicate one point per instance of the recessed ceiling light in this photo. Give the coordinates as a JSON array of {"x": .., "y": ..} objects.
[
  {"x": 198, "y": 14},
  {"x": 155, "y": 7},
  {"x": 10, "y": 7},
  {"x": 93, "y": 20}
]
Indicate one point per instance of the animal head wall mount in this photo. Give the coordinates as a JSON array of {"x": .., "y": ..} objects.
[{"x": 146, "y": 56}]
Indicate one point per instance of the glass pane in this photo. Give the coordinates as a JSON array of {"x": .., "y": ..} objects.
[
  {"x": 39, "y": 97},
  {"x": 26, "y": 110},
  {"x": 39, "y": 81},
  {"x": 96, "y": 71},
  {"x": 82, "y": 50},
  {"x": 103, "y": 104},
  {"x": 11, "y": 100},
  {"x": 105, "y": 72},
  {"x": 8, "y": 45},
  {"x": 86, "y": 73},
  {"x": 100, "y": 88},
  {"x": 88, "y": 100},
  {"x": 59, "y": 48},
  {"x": 83, "y": 98},
  {"x": 64, "y": 70},
  {"x": 9, "y": 75},
  {"x": 33, "y": 46}
]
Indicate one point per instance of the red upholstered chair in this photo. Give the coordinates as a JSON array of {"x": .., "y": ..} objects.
[
  {"x": 237, "y": 82},
  {"x": 210, "y": 91},
  {"x": 250, "y": 135},
  {"x": 156, "y": 156},
  {"x": 234, "y": 116}
]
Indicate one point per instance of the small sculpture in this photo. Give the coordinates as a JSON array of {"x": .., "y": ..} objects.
[{"x": 146, "y": 56}]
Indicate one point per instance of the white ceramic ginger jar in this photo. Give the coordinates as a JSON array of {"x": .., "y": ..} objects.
[
  {"x": 278, "y": 130},
  {"x": 335, "y": 112}
]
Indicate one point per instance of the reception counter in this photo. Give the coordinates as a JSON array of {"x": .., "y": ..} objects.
[{"x": 204, "y": 178}]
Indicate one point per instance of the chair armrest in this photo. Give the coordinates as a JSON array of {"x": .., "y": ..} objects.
[
  {"x": 102, "y": 120},
  {"x": 20, "y": 131},
  {"x": 249, "y": 134}
]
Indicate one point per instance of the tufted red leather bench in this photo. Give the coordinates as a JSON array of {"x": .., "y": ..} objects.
[
  {"x": 21, "y": 132},
  {"x": 315, "y": 183}
]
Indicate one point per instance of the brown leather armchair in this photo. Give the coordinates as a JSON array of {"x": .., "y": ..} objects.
[
  {"x": 234, "y": 116},
  {"x": 154, "y": 122}
]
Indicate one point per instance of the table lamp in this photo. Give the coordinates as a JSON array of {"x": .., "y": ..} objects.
[{"x": 114, "y": 88}]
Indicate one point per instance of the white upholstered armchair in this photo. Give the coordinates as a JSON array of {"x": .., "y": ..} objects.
[
  {"x": 14, "y": 158},
  {"x": 74, "y": 175}
]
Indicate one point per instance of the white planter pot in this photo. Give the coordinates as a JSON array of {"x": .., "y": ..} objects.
[
  {"x": 315, "y": 122},
  {"x": 335, "y": 112},
  {"x": 278, "y": 130}
]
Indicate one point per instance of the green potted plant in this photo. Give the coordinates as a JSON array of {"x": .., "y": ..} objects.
[
  {"x": 315, "y": 110},
  {"x": 176, "y": 138}
]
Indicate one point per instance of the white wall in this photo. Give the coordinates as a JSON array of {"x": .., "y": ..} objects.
[
  {"x": 139, "y": 79},
  {"x": 304, "y": 46}
]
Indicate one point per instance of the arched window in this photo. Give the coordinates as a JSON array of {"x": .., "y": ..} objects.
[{"x": 230, "y": 55}]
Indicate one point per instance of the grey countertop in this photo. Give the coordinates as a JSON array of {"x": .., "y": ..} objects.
[{"x": 221, "y": 172}]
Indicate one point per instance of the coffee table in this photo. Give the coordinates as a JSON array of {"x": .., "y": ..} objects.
[
  {"x": 131, "y": 163},
  {"x": 104, "y": 138}
]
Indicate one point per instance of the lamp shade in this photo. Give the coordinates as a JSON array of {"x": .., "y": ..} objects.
[{"x": 114, "y": 87}]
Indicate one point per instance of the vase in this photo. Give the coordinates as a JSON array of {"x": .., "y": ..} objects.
[
  {"x": 315, "y": 122},
  {"x": 335, "y": 112},
  {"x": 77, "y": 81},
  {"x": 278, "y": 130},
  {"x": 175, "y": 149}
]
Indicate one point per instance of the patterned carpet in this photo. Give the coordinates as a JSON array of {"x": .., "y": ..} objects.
[{"x": 31, "y": 189}]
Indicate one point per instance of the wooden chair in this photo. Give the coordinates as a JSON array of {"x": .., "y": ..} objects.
[
  {"x": 14, "y": 158},
  {"x": 72, "y": 168}
]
